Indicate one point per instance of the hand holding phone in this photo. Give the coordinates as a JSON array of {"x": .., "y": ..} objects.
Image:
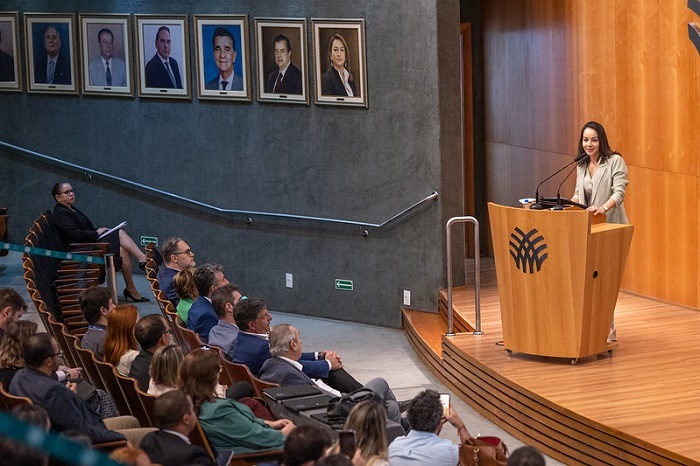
[
  {"x": 445, "y": 402},
  {"x": 347, "y": 442}
]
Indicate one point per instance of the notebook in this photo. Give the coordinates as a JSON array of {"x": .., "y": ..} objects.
[
  {"x": 307, "y": 403},
  {"x": 291, "y": 391}
]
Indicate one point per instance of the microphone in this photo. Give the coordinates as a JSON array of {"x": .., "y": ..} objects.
[
  {"x": 559, "y": 206},
  {"x": 537, "y": 205}
]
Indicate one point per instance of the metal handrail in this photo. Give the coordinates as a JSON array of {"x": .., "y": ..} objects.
[
  {"x": 90, "y": 173},
  {"x": 477, "y": 280}
]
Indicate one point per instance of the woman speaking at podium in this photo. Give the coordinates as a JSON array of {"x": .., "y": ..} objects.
[{"x": 601, "y": 180}]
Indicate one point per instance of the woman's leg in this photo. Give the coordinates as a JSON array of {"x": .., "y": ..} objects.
[
  {"x": 128, "y": 244},
  {"x": 128, "y": 273}
]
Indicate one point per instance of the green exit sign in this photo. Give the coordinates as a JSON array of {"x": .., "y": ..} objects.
[
  {"x": 149, "y": 239},
  {"x": 343, "y": 284}
]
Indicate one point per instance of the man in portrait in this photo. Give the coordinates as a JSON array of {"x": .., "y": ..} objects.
[
  {"x": 162, "y": 71},
  {"x": 7, "y": 65},
  {"x": 224, "y": 50},
  {"x": 286, "y": 79},
  {"x": 52, "y": 67},
  {"x": 107, "y": 70}
]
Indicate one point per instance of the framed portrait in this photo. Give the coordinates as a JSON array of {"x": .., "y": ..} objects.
[
  {"x": 51, "y": 53},
  {"x": 340, "y": 61},
  {"x": 223, "y": 57},
  {"x": 162, "y": 46},
  {"x": 282, "y": 69},
  {"x": 10, "y": 79},
  {"x": 106, "y": 52}
]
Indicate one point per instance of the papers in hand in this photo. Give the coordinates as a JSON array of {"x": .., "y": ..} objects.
[{"x": 118, "y": 227}]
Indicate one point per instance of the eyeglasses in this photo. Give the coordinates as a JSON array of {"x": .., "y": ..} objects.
[
  {"x": 60, "y": 353},
  {"x": 70, "y": 191},
  {"x": 187, "y": 251}
]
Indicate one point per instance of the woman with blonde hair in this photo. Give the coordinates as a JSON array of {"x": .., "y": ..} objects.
[
  {"x": 227, "y": 423},
  {"x": 120, "y": 343},
  {"x": 163, "y": 371},
  {"x": 186, "y": 289},
  {"x": 12, "y": 349},
  {"x": 368, "y": 420}
]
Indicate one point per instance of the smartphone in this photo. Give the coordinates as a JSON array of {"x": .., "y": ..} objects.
[
  {"x": 347, "y": 442},
  {"x": 445, "y": 402}
]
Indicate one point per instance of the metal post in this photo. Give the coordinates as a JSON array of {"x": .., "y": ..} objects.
[
  {"x": 111, "y": 276},
  {"x": 477, "y": 273}
]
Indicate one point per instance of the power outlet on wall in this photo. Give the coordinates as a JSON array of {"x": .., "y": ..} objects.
[
  {"x": 289, "y": 280},
  {"x": 406, "y": 297}
]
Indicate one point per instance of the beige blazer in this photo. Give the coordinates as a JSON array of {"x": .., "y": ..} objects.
[{"x": 609, "y": 181}]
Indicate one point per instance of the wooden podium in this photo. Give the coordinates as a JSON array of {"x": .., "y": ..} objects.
[{"x": 558, "y": 275}]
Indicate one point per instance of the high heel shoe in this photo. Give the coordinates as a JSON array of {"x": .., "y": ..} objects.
[
  {"x": 128, "y": 296},
  {"x": 142, "y": 266}
]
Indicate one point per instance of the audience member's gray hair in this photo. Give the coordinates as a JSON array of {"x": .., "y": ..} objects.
[
  {"x": 205, "y": 277},
  {"x": 280, "y": 337},
  {"x": 170, "y": 247}
]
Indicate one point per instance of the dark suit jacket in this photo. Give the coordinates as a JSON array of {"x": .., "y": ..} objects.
[
  {"x": 75, "y": 227},
  {"x": 61, "y": 74},
  {"x": 277, "y": 370},
  {"x": 291, "y": 84},
  {"x": 139, "y": 369},
  {"x": 7, "y": 67},
  {"x": 165, "y": 280},
  {"x": 67, "y": 410},
  {"x": 202, "y": 317},
  {"x": 157, "y": 75},
  {"x": 254, "y": 351},
  {"x": 331, "y": 84},
  {"x": 169, "y": 450}
]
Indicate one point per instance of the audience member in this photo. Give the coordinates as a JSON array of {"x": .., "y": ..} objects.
[
  {"x": 526, "y": 456},
  {"x": 227, "y": 423},
  {"x": 284, "y": 368},
  {"x": 224, "y": 333},
  {"x": 96, "y": 303},
  {"x": 186, "y": 290},
  {"x": 422, "y": 444},
  {"x": 368, "y": 420},
  {"x": 120, "y": 344},
  {"x": 252, "y": 348},
  {"x": 177, "y": 256},
  {"x": 14, "y": 453},
  {"x": 12, "y": 349},
  {"x": 151, "y": 333},
  {"x": 131, "y": 456},
  {"x": 12, "y": 306},
  {"x": 202, "y": 316},
  {"x": 170, "y": 445},
  {"x": 339, "y": 459},
  {"x": 64, "y": 407},
  {"x": 305, "y": 445},
  {"x": 163, "y": 370}
]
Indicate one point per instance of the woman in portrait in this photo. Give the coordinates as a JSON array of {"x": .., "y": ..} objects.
[
  {"x": 338, "y": 80},
  {"x": 75, "y": 227},
  {"x": 368, "y": 420},
  {"x": 227, "y": 423},
  {"x": 120, "y": 343},
  {"x": 601, "y": 180}
]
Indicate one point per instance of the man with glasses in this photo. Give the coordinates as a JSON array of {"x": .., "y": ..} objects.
[{"x": 177, "y": 256}]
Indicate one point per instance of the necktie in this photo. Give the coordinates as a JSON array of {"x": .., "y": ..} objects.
[
  {"x": 108, "y": 75},
  {"x": 278, "y": 84},
  {"x": 170, "y": 73},
  {"x": 49, "y": 75},
  {"x": 223, "y": 85}
]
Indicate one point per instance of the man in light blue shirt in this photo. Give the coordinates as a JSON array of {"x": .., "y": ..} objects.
[
  {"x": 422, "y": 445},
  {"x": 225, "y": 332}
]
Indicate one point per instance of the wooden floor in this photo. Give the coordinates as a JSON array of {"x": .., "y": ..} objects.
[{"x": 640, "y": 406}]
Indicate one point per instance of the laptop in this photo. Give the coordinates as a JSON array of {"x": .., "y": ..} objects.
[
  {"x": 291, "y": 391},
  {"x": 307, "y": 403}
]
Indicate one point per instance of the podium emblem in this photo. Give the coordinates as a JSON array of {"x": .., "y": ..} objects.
[{"x": 528, "y": 250}]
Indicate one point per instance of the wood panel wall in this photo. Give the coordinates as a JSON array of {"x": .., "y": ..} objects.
[{"x": 552, "y": 65}]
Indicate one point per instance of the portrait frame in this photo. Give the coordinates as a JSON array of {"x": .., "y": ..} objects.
[
  {"x": 35, "y": 27},
  {"x": 152, "y": 78},
  {"x": 10, "y": 57},
  {"x": 208, "y": 72},
  {"x": 92, "y": 69},
  {"x": 266, "y": 31},
  {"x": 353, "y": 33}
]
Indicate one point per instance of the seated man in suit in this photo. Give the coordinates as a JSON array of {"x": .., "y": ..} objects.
[
  {"x": 170, "y": 446},
  {"x": 162, "y": 70},
  {"x": 66, "y": 409},
  {"x": 285, "y": 369},
  {"x": 286, "y": 79},
  {"x": 226, "y": 331},
  {"x": 96, "y": 304},
  {"x": 224, "y": 50},
  {"x": 151, "y": 333},
  {"x": 202, "y": 316},
  {"x": 252, "y": 348},
  {"x": 177, "y": 256}
]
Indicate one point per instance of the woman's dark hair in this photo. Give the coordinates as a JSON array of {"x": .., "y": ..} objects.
[
  {"x": 56, "y": 190},
  {"x": 199, "y": 375},
  {"x": 330, "y": 51},
  {"x": 12, "y": 346},
  {"x": 605, "y": 150}
]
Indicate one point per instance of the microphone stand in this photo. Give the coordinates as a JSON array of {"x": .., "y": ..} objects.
[
  {"x": 559, "y": 206},
  {"x": 537, "y": 205}
]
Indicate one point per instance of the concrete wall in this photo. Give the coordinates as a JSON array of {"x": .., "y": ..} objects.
[{"x": 348, "y": 163}]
